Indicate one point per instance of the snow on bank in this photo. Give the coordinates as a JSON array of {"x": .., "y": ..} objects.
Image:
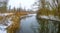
[
  {"x": 51, "y": 17},
  {"x": 3, "y": 31},
  {"x": 5, "y": 14},
  {"x": 3, "y": 26}
]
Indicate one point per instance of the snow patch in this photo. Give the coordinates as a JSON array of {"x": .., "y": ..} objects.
[
  {"x": 5, "y": 14},
  {"x": 3, "y": 27},
  {"x": 49, "y": 17}
]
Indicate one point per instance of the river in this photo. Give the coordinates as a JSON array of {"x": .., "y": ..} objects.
[{"x": 28, "y": 24}]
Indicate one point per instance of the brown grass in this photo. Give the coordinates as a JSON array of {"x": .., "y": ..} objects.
[
  {"x": 46, "y": 12},
  {"x": 15, "y": 26}
]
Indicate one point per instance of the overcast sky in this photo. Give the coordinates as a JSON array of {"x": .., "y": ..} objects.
[{"x": 21, "y": 3}]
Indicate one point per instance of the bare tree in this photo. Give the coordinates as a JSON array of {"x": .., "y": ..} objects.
[{"x": 3, "y": 4}]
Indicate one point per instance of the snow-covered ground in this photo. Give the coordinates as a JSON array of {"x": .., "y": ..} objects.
[
  {"x": 1, "y": 31},
  {"x": 5, "y": 14},
  {"x": 50, "y": 17},
  {"x": 4, "y": 25}
]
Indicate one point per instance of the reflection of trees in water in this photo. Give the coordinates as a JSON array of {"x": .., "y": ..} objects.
[{"x": 47, "y": 26}]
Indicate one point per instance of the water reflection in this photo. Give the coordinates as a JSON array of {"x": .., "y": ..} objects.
[
  {"x": 29, "y": 25},
  {"x": 47, "y": 26}
]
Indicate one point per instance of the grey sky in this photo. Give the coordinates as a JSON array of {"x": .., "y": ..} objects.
[{"x": 21, "y": 3}]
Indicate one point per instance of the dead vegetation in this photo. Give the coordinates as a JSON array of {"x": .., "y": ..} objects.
[{"x": 15, "y": 24}]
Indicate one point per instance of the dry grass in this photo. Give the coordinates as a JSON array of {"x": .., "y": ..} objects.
[
  {"x": 47, "y": 12},
  {"x": 1, "y": 18},
  {"x": 15, "y": 24}
]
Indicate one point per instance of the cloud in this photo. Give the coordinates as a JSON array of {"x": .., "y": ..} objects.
[{"x": 23, "y": 3}]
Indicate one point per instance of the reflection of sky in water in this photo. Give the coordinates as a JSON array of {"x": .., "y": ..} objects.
[{"x": 29, "y": 25}]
